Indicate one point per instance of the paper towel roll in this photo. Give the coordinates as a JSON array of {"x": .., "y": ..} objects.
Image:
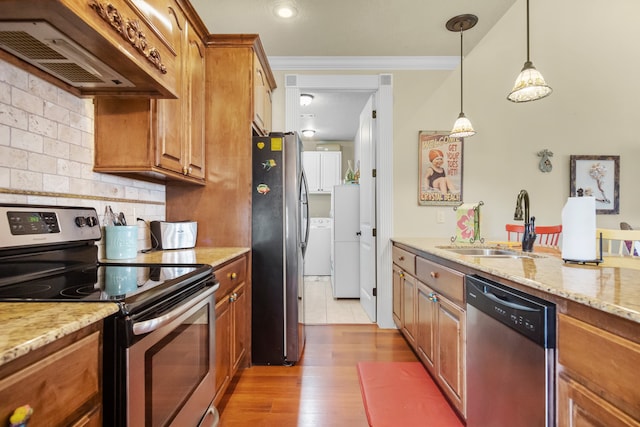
[{"x": 579, "y": 229}]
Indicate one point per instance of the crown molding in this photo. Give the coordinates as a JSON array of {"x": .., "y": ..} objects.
[{"x": 364, "y": 62}]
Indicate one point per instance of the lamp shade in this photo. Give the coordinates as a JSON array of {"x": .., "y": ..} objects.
[
  {"x": 529, "y": 85},
  {"x": 308, "y": 133},
  {"x": 306, "y": 99},
  {"x": 462, "y": 128}
]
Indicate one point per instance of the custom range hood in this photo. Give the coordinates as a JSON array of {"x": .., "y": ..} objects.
[{"x": 90, "y": 47}]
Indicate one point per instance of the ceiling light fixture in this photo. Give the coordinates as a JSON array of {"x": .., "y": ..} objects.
[
  {"x": 462, "y": 127},
  {"x": 305, "y": 99},
  {"x": 285, "y": 9},
  {"x": 308, "y": 133},
  {"x": 530, "y": 84}
]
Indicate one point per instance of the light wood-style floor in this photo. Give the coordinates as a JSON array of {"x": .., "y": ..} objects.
[{"x": 322, "y": 390}]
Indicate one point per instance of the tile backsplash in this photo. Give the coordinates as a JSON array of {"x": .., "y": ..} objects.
[{"x": 46, "y": 155}]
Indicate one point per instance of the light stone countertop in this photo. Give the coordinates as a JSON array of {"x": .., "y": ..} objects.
[
  {"x": 605, "y": 287},
  {"x": 27, "y": 326}
]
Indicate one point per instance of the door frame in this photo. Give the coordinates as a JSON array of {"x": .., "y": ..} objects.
[{"x": 381, "y": 85}]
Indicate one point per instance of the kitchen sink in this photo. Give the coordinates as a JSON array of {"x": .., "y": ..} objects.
[{"x": 488, "y": 252}]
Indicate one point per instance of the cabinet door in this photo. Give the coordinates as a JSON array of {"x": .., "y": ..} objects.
[
  {"x": 580, "y": 407},
  {"x": 426, "y": 325},
  {"x": 408, "y": 308},
  {"x": 450, "y": 355},
  {"x": 260, "y": 90},
  {"x": 194, "y": 158},
  {"x": 239, "y": 327},
  {"x": 330, "y": 167},
  {"x": 311, "y": 165},
  {"x": 397, "y": 296},
  {"x": 223, "y": 353}
]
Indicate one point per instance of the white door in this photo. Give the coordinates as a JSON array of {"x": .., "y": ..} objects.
[{"x": 366, "y": 147}]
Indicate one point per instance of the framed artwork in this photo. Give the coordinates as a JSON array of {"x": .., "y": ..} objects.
[
  {"x": 599, "y": 177},
  {"x": 439, "y": 169}
]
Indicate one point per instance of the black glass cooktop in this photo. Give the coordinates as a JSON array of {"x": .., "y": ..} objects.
[{"x": 102, "y": 282}]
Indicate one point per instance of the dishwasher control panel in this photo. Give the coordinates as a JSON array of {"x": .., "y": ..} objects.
[{"x": 531, "y": 316}]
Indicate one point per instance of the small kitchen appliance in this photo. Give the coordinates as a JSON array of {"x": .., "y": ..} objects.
[
  {"x": 174, "y": 235},
  {"x": 49, "y": 253}
]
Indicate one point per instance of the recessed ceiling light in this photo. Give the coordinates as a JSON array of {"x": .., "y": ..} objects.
[
  {"x": 308, "y": 133},
  {"x": 305, "y": 99},
  {"x": 285, "y": 9}
]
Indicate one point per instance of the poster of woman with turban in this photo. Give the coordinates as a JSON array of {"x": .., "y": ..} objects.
[{"x": 440, "y": 169}]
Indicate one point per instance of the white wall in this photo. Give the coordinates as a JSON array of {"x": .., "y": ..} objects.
[
  {"x": 47, "y": 149},
  {"x": 587, "y": 51}
]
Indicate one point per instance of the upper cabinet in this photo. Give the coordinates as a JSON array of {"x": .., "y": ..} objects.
[
  {"x": 233, "y": 96},
  {"x": 169, "y": 133},
  {"x": 262, "y": 103},
  {"x": 95, "y": 47},
  {"x": 323, "y": 170}
]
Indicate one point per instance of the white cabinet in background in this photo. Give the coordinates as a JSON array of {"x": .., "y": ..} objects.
[{"x": 323, "y": 170}]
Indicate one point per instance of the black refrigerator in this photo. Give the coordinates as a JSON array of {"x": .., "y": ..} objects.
[{"x": 279, "y": 234}]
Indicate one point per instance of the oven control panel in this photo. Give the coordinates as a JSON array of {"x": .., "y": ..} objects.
[{"x": 25, "y": 225}]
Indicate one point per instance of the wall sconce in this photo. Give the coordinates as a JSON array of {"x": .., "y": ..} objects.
[
  {"x": 305, "y": 99},
  {"x": 530, "y": 84},
  {"x": 308, "y": 133},
  {"x": 462, "y": 127}
]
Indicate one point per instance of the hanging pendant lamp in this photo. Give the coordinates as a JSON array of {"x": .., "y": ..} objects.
[
  {"x": 462, "y": 127},
  {"x": 530, "y": 84}
]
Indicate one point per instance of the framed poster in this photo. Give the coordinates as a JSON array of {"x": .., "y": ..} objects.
[
  {"x": 439, "y": 169},
  {"x": 599, "y": 177}
]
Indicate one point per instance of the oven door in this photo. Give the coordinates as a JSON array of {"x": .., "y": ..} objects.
[{"x": 171, "y": 370}]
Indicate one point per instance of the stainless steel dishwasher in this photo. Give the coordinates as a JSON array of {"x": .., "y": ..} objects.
[{"x": 511, "y": 340}]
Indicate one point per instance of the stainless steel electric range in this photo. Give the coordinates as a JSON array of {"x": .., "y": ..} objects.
[{"x": 159, "y": 348}]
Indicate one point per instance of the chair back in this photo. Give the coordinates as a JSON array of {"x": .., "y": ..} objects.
[
  {"x": 514, "y": 232},
  {"x": 618, "y": 242},
  {"x": 548, "y": 235}
]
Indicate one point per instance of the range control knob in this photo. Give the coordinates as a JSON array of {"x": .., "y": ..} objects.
[{"x": 90, "y": 221}]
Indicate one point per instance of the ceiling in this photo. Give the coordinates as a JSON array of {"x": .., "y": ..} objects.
[{"x": 351, "y": 29}]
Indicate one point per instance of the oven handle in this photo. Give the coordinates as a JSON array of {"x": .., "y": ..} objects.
[{"x": 141, "y": 328}]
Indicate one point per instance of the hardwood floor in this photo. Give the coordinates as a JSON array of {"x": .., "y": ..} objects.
[{"x": 320, "y": 391}]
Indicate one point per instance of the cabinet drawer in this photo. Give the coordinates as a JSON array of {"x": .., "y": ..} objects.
[
  {"x": 602, "y": 358},
  {"x": 443, "y": 280},
  {"x": 230, "y": 275},
  {"x": 70, "y": 375},
  {"x": 405, "y": 260}
]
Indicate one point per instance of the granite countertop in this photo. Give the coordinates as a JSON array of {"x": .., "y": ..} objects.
[
  {"x": 606, "y": 287},
  {"x": 30, "y": 325}
]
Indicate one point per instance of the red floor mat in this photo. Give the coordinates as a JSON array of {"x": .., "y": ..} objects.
[{"x": 403, "y": 394}]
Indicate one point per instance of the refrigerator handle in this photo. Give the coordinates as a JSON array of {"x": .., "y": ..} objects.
[{"x": 304, "y": 196}]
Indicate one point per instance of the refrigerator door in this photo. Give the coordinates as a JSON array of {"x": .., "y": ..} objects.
[{"x": 277, "y": 333}]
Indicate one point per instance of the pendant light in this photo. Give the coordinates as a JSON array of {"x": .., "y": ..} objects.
[
  {"x": 462, "y": 127},
  {"x": 530, "y": 84}
]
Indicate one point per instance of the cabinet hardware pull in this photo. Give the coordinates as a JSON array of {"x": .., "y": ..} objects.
[
  {"x": 401, "y": 258},
  {"x": 401, "y": 274},
  {"x": 434, "y": 274},
  {"x": 233, "y": 276}
]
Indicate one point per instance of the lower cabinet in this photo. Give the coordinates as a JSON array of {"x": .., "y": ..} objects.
[
  {"x": 428, "y": 307},
  {"x": 597, "y": 385},
  {"x": 60, "y": 381},
  {"x": 232, "y": 322}
]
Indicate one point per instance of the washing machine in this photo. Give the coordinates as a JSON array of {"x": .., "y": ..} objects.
[{"x": 317, "y": 260}]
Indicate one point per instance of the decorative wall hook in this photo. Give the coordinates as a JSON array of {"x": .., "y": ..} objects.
[{"x": 545, "y": 161}]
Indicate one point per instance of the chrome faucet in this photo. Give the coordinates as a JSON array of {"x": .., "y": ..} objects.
[{"x": 529, "y": 235}]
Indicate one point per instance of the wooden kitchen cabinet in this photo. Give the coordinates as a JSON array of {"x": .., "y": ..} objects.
[
  {"x": 159, "y": 139},
  {"x": 595, "y": 384},
  {"x": 223, "y": 206},
  {"x": 428, "y": 307},
  {"x": 323, "y": 170},
  {"x": 262, "y": 102},
  {"x": 60, "y": 381},
  {"x": 232, "y": 322}
]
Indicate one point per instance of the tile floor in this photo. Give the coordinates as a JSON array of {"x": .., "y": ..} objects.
[{"x": 321, "y": 308}]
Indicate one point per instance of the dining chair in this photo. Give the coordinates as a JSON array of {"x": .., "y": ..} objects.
[
  {"x": 613, "y": 241},
  {"x": 547, "y": 235}
]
